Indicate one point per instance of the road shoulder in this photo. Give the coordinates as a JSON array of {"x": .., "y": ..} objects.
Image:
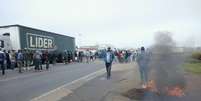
[{"x": 124, "y": 77}]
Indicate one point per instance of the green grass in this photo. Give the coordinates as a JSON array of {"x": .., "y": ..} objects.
[{"x": 194, "y": 68}]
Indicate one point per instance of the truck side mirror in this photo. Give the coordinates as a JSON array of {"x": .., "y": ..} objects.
[{"x": 6, "y": 34}]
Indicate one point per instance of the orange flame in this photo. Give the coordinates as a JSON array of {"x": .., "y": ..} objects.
[
  {"x": 171, "y": 91},
  {"x": 175, "y": 91}
]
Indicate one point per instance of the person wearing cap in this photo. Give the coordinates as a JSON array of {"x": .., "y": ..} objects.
[
  {"x": 143, "y": 60},
  {"x": 108, "y": 58}
]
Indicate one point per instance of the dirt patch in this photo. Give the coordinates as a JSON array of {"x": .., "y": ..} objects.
[{"x": 135, "y": 94}]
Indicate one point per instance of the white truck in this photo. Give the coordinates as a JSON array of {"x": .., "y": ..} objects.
[{"x": 17, "y": 37}]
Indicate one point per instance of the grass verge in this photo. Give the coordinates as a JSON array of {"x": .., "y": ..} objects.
[{"x": 194, "y": 68}]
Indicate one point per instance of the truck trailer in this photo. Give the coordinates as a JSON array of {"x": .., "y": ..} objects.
[{"x": 18, "y": 37}]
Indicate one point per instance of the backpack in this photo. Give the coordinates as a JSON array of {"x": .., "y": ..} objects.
[{"x": 19, "y": 56}]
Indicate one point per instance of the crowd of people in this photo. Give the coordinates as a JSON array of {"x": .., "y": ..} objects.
[
  {"x": 24, "y": 59},
  {"x": 124, "y": 56}
]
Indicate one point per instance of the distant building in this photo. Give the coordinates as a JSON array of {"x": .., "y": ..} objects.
[
  {"x": 96, "y": 47},
  {"x": 90, "y": 48}
]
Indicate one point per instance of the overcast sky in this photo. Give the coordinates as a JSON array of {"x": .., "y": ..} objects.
[{"x": 123, "y": 23}]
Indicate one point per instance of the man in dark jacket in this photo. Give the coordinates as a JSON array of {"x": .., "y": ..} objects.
[
  {"x": 108, "y": 58},
  {"x": 8, "y": 62},
  {"x": 2, "y": 59}
]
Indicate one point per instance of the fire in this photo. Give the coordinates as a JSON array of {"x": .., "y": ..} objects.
[{"x": 175, "y": 91}]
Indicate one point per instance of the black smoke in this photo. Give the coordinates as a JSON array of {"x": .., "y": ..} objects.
[{"x": 165, "y": 66}]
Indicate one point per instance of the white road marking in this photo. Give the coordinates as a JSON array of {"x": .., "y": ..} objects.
[{"x": 68, "y": 88}]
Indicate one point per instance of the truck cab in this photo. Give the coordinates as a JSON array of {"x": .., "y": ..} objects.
[{"x": 5, "y": 42}]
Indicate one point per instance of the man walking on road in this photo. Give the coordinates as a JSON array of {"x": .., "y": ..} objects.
[{"x": 108, "y": 58}]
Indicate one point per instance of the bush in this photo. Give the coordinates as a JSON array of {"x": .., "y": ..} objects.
[{"x": 196, "y": 55}]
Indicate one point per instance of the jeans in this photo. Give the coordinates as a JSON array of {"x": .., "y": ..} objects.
[
  {"x": 40, "y": 65},
  {"x": 108, "y": 69},
  {"x": 19, "y": 65},
  {"x": 47, "y": 64},
  {"x": 8, "y": 62},
  {"x": 13, "y": 65},
  {"x": 37, "y": 64},
  {"x": 143, "y": 75},
  {"x": 87, "y": 58}
]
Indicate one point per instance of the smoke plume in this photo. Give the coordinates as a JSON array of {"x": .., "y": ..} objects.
[{"x": 165, "y": 63}]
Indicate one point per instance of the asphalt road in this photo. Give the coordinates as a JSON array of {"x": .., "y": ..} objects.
[{"x": 29, "y": 86}]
